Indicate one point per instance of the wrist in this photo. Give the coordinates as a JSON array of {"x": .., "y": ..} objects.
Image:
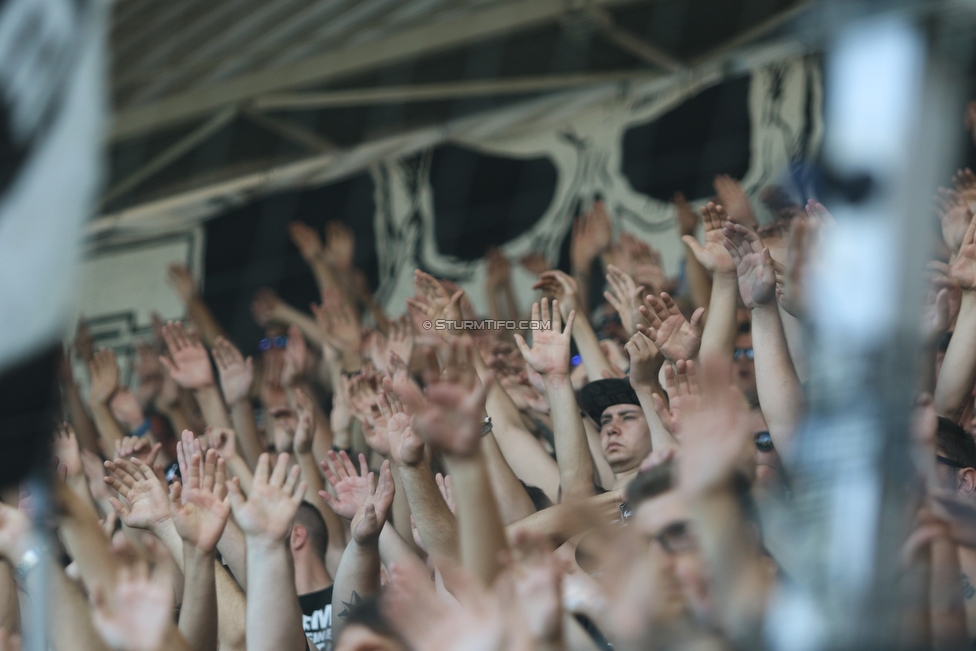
[
  {"x": 556, "y": 380},
  {"x": 163, "y": 527},
  {"x": 352, "y": 361},
  {"x": 197, "y": 555},
  {"x": 264, "y": 545},
  {"x": 725, "y": 277}
]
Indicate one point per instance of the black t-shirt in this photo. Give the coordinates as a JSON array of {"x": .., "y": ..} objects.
[{"x": 317, "y": 617}]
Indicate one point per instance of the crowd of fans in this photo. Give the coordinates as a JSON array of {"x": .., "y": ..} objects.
[{"x": 400, "y": 486}]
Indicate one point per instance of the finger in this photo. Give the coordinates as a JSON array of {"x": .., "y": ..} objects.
[
  {"x": 292, "y": 480},
  {"x": 280, "y": 471},
  {"x": 209, "y": 470},
  {"x": 262, "y": 470},
  {"x": 696, "y": 319}
]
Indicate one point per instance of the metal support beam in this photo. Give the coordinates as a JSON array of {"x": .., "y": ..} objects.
[
  {"x": 631, "y": 43},
  {"x": 170, "y": 155},
  {"x": 419, "y": 41},
  {"x": 313, "y": 142},
  {"x": 430, "y": 92}
]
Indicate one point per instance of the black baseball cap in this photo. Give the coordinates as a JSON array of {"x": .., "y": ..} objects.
[{"x": 597, "y": 396}]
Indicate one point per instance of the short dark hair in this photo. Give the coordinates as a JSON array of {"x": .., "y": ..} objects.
[
  {"x": 649, "y": 484},
  {"x": 311, "y": 520},
  {"x": 955, "y": 443}
]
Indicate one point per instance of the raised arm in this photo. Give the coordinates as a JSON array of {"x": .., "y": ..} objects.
[
  {"x": 236, "y": 377},
  {"x": 561, "y": 287},
  {"x": 645, "y": 362},
  {"x": 716, "y": 447},
  {"x": 435, "y": 522},
  {"x": 718, "y": 335},
  {"x": 958, "y": 374},
  {"x": 200, "y": 511},
  {"x": 304, "y": 435},
  {"x": 189, "y": 365},
  {"x": 453, "y": 419},
  {"x": 274, "y": 617},
  {"x": 549, "y": 356},
  {"x": 625, "y": 297},
  {"x": 591, "y": 237},
  {"x": 670, "y": 332},
  {"x": 780, "y": 393},
  {"x": 104, "y": 382},
  {"x": 359, "y": 570}
]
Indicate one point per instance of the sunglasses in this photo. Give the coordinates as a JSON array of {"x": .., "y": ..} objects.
[
  {"x": 764, "y": 442},
  {"x": 739, "y": 353},
  {"x": 274, "y": 342}
]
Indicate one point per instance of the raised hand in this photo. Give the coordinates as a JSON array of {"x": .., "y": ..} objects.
[
  {"x": 350, "y": 486},
  {"x": 406, "y": 448},
  {"x": 66, "y": 450},
  {"x": 136, "y": 614},
  {"x": 965, "y": 182},
  {"x": 643, "y": 368},
  {"x": 136, "y": 447},
  {"x": 963, "y": 268},
  {"x": 591, "y": 236},
  {"x": 731, "y": 195},
  {"x": 454, "y": 411},
  {"x": 954, "y": 215},
  {"x": 296, "y": 354},
  {"x": 340, "y": 245},
  {"x": 935, "y": 316},
  {"x": 200, "y": 510},
  {"x": 625, "y": 297},
  {"x": 189, "y": 363},
  {"x": 305, "y": 239},
  {"x": 549, "y": 354},
  {"x": 535, "y": 263},
  {"x": 372, "y": 513},
  {"x": 712, "y": 255},
  {"x": 401, "y": 338},
  {"x": 236, "y": 373},
  {"x": 561, "y": 287},
  {"x": 675, "y": 337},
  {"x": 104, "y": 377},
  {"x": 682, "y": 387},
  {"x": 305, "y": 427},
  {"x": 716, "y": 435},
  {"x": 435, "y": 300},
  {"x": 223, "y": 440},
  {"x": 268, "y": 512},
  {"x": 338, "y": 322},
  {"x": 753, "y": 265},
  {"x": 144, "y": 504},
  {"x": 181, "y": 279},
  {"x": 126, "y": 408}
]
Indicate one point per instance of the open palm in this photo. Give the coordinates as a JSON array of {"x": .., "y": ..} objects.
[
  {"x": 712, "y": 255},
  {"x": 549, "y": 353},
  {"x": 753, "y": 266},
  {"x": 676, "y": 337}
]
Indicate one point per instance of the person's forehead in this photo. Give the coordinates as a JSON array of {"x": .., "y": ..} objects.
[
  {"x": 614, "y": 410},
  {"x": 660, "y": 511}
]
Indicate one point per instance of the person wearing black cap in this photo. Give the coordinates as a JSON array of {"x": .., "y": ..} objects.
[{"x": 624, "y": 433}]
